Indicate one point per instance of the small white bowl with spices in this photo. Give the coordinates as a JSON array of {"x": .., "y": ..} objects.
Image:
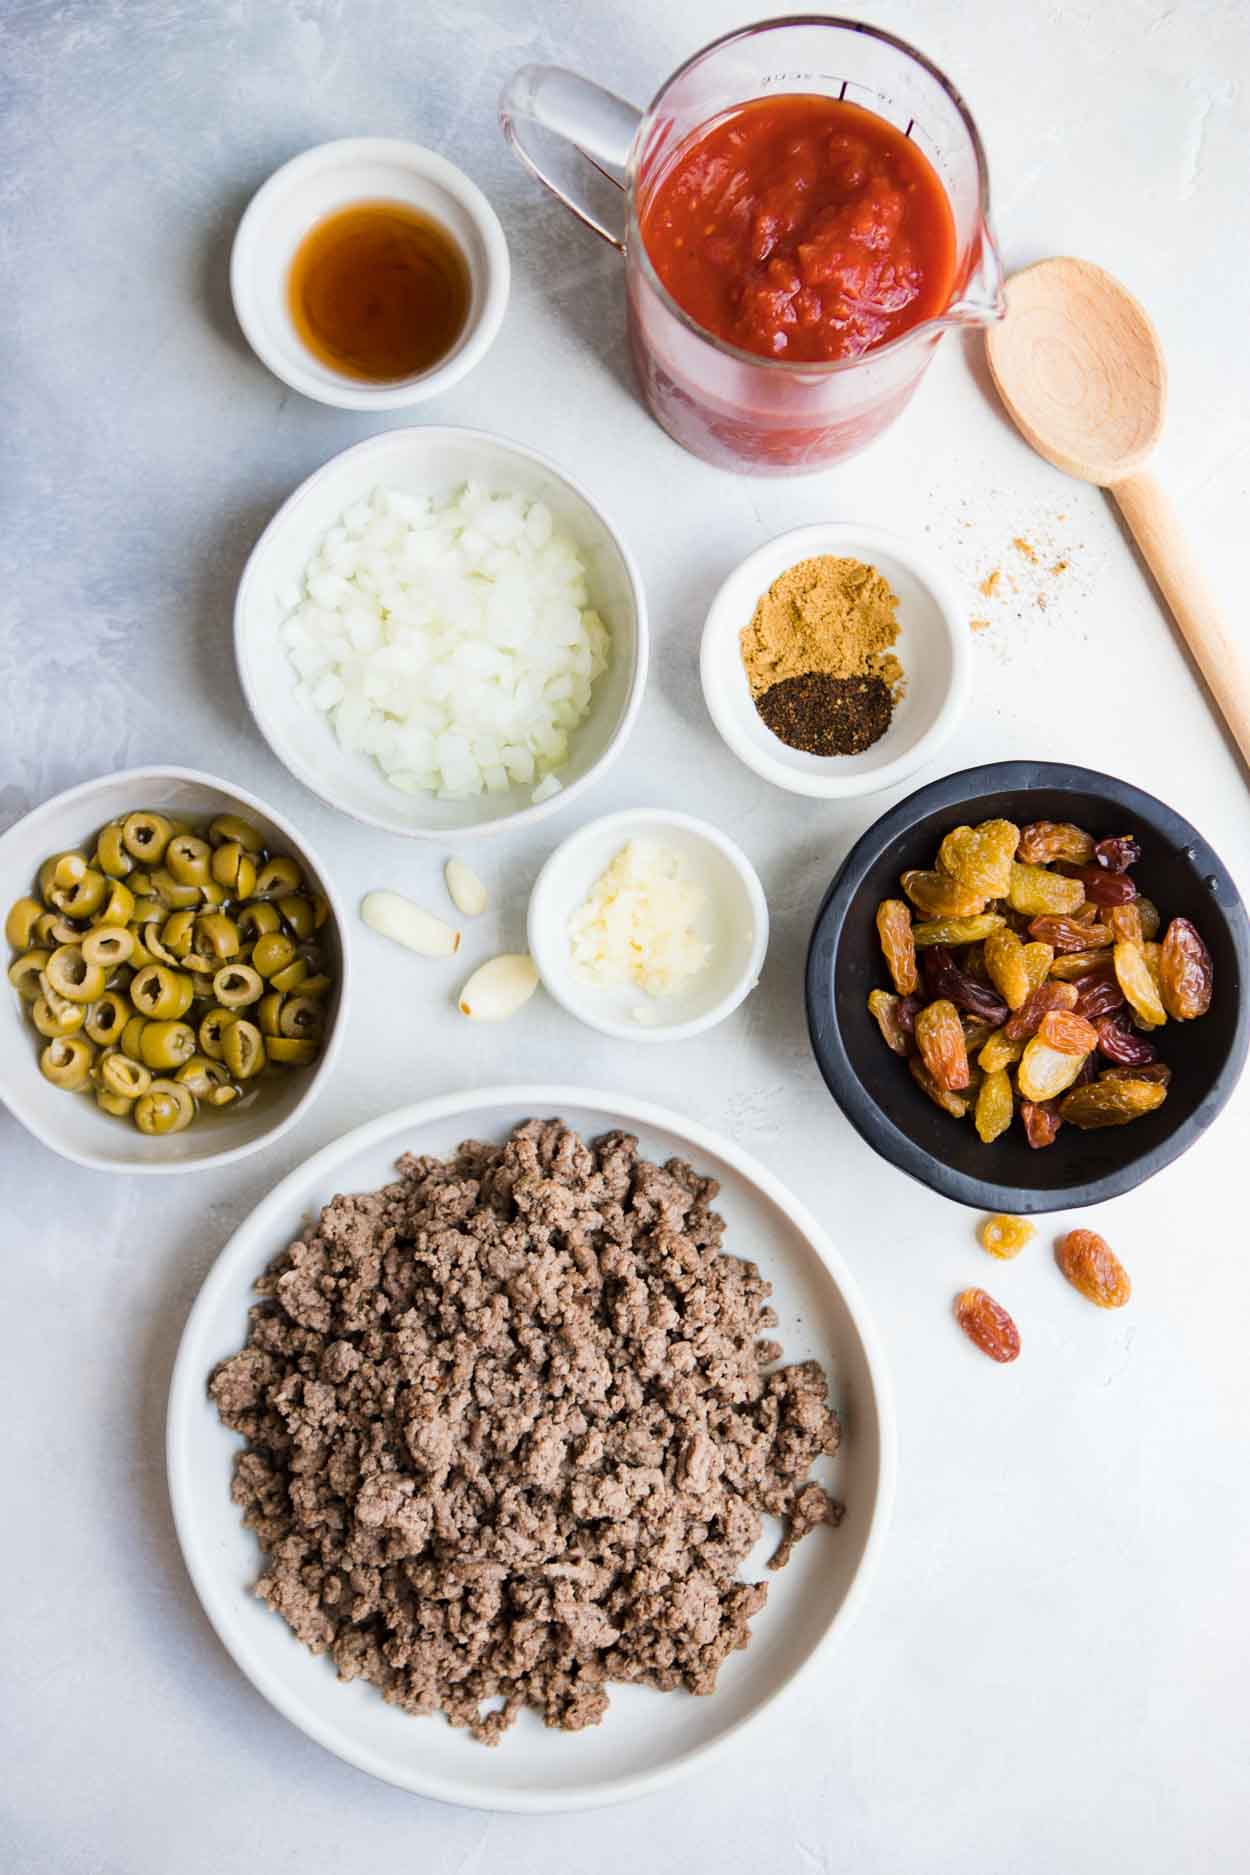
[
  {"x": 933, "y": 647},
  {"x": 648, "y": 926}
]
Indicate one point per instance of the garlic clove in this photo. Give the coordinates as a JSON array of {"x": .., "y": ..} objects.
[
  {"x": 465, "y": 889},
  {"x": 396, "y": 917},
  {"x": 497, "y": 989}
]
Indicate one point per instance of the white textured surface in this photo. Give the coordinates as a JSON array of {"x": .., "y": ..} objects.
[{"x": 1050, "y": 1673}]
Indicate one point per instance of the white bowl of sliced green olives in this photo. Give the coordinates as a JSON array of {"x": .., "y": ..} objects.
[{"x": 176, "y": 972}]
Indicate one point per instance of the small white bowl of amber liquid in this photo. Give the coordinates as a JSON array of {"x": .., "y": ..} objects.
[{"x": 369, "y": 274}]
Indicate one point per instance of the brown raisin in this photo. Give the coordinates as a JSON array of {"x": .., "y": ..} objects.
[
  {"x": 1117, "y": 854},
  {"x": 1027, "y": 1021},
  {"x": 884, "y": 1009},
  {"x": 894, "y": 930},
  {"x": 1041, "y": 1120},
  {"x": 937, "y": 895},
  {"x": 1044, "y": 1072},
  {"x": 1102, "y": 887},
  {"x": 987, "y": 1325},
  {"x": 955, "y": 930},
  {"x": 940, "y": 1039},
  {"x": 1151, "y": 1071},
  {"x": 1098, "y": 994},
  {"x": 1093, "y": 1268},
  {"x": 1044, "y": 840},
  {"x": 1112, "y": 1100},
  {"x": 980, "y": 857},
  {"x": 1065, "y": 933},
  {"x": 1070, "y": 1033},
  {"x": 1039, "y": 892},
  {"x": 1136, "y": 979},
  {"x": 994, "y": 1107},
  {"x": 1186, "y": 973},
  {"x": 944, "y": 978},
  {"x": 956, "y": 1104},
  {"x": 1004, "y": 1236},
  {"x": 1118, "y": 1043}
]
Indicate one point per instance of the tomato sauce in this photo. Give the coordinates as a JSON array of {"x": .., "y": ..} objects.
[{"x": 802, "y": 228}]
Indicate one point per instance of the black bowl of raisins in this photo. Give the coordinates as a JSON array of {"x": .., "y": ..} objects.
[{"x": 1012, "y": 1093}]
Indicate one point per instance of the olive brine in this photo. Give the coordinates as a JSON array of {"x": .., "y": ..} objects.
[{"x": 168, "y": 968}]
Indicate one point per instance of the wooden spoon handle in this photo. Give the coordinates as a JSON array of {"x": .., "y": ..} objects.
[{"x": 1157, "y": 529}]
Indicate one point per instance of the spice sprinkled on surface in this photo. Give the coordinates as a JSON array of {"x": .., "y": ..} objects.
[{"x": 825, "y": 715}]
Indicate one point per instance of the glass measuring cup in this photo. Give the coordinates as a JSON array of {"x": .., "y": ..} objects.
[{"x": 761, "y": 416}]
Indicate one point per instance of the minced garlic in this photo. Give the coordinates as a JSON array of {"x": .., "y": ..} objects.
[{"x": 636, "y": 924}]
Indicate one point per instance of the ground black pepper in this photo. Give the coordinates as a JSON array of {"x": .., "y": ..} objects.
[{"x": 825, "y": 715}]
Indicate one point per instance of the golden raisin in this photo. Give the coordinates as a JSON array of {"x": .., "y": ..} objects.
[
  {"x": 1112, "y": 1100},
  {"x": 980, "y": 857},
  {"x": 1045, "y": 1072},
  {"x": 1136, "y": 979},
  {"x": 1069, "y": 1033},
  {"x": 1036, "y": 891},
  {"x": 884, "y": 1009},
  {"x": 994, "y": 1107},
  {"x": 894, "y": 930},
  {"x": 987, "y": 1325},
  {"x": 940, "y": 1039},
  {"x": 1092, "y": 1266},
  {"x": 955, "y": 1104},
  {"x": 1004, "y": 1236},
  {"x": 937, "y": 895},
  {"x": 955, "y": 930},
  {"x": 998, "y": 1052},
  {"x": 1044, "y": 840},
  {"x": 1006, "y": 967},
  {"x": 1186, "y": 974}
]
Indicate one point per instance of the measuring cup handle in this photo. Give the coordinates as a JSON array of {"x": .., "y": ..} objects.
[{"x": 594, "y": 121}]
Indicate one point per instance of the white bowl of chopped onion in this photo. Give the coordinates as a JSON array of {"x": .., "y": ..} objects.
[
  {"x": 649, "y": 926},
  {"x": 441, "y": 634}
]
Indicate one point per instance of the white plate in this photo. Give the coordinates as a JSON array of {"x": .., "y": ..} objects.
[
  {"x": 934, "y": 648},
  {"x": 427, "y": 461},
  {"x": 647, "y": 1739}
]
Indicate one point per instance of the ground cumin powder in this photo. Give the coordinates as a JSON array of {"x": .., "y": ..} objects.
[{"x": 823, "y": 615}]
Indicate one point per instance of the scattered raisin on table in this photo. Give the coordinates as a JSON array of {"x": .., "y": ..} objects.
[
  {"x": 1004, "y": 1236},
  {"x": 987, "y": 1325},
  {"x": 1093, "y": 1268}
]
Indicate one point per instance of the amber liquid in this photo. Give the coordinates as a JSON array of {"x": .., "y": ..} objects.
[{"x": 379, "y": 291}]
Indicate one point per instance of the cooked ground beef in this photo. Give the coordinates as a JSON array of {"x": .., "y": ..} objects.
[{"x": 510, "y": 1434}]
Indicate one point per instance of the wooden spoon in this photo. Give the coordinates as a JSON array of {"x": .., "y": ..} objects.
[{"x": 1081, "y": 371}]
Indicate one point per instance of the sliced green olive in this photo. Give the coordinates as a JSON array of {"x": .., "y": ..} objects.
[
  {"x": 173, "y": 892},
  {"x": 25, "y": 972},
  {"x": 107, "y": 1018},
  {"x": 108, "y": 945},
  {"x": 59, "y": 873},
  {"x": 290, "y": 1052},
  {"x": 66, "y": 1062},
  {"x": 161, "y": 993},
  {"x": 19, "y": 926},
  {"x": 258, "y": 920},
  {"x": 164, "y": 1108},
  {"x": 314, "y": 986},
  {"x": 51, "y": 929},
  {"x": 187, "y": 858},
  {"x": 212, "y": 894},
  {"x": 116, "y": 1104},
  {"x": 321, "y": 909},
  {"x": 234, "y": 868},
  {"x": 236, "y": 985},
  {"x": 132, "y": 1037},
  {"x": 154, "y": 943},
  {"x": 166, "y": 1044},
  {"x": 65, "y": 1018},
  {"x": 71, "y": 975},
  {"x": 268, "y": 1013},
  {"x": 149, "y": 911},
  {"x": 243, "y": 1049},
  {"x": 231, "y": 828},
  {"x": 213, "y": 1028},
  {"x": 121, "y": 1075},
  {"x": 140, "y": 956},
  {"x": 84, "y": 898},
  {"x": 277, "y": 877},
  {"x": 203, "y": 1076},
  {"x": 299, "y": 914},
  {"x": 272, "y": 953},
  {"x": 302, "y": 1018},
  {"x": 217, "y": 935},
  {"x": 145, "y": 836},
  {"x": 291, "y": 977},
  {"x": 110, "y": 853},
  {"x": 119, "y": 905},
  {"x": 178, "y": 933}
]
